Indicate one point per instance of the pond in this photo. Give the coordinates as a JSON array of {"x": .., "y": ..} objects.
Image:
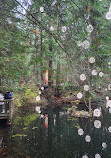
[{"x": 54, "y": 133}]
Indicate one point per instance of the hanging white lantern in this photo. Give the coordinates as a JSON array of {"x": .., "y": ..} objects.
[
  {"x": 82, "y": 77},
  {"x": 37, "y": 108},
  {"x": 108, "y": 15},
  {"x": 97, "y": 113},
  {"x": 64, "y": 28},
  {"x": 90, "y": 28},
  {"x": 109, "y": 87},
  {"x": 79, "y": 95},
  {"x": 107, "y": 98},
  {"x": 108, "y": 103},
  {"x": 51, "y": 28},
  {"x": 101, "y": 74},
  {"x": 85, "y": 156},
  {"x": 94, "y": 72},
  {"x": 80, "y": 131},
  {"x": 104, "y": 145},
  {"x": 79, "y": 43},
  {"x": 97, "y": 156},
  {"x": 92, "y": 60},
  {"x": 86, "y": 44},
  {"x": 42, "y": 88},
  {"x": 41, "y": 9},
  {"x": 88, "y": 138},
  {"x": 37, "y": 98},
  {"x": 97, "y": 124},
  {"x": 109, "y": 129},
  {"x": 86, "y": 87}
]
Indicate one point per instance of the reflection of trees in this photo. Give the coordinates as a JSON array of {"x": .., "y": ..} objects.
[{"x": 61, "y": 139}]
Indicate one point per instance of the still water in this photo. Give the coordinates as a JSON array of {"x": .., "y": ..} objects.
[{"x": 53, "y": 133}]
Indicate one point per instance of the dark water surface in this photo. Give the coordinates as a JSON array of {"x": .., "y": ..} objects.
[{"x": 54, "y": 134}]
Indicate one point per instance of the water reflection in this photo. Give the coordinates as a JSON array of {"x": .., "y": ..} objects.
[{"x": 52, "y": 135}]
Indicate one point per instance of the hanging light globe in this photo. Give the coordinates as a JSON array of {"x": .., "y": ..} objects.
[
  {"x": 90, "y": 28},
  {"x": 92, "y": 60},
  {"x": 97, "y": 113},
  {"x": 104, "y": 145},
  {"x": 108, "y": 15},
  {"x": 97, "y": 124},
  {"x": 80, "y": 131},
  {"x": 82, "y": 77},
  {"x": 88, "y": 138},
  {"x": 79, "y": 95}
]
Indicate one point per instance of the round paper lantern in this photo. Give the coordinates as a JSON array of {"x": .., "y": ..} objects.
[
  {"x": 79, "y": 95},
  {"x": 80, "y": 131},
  {"x": 108, "y": 103},
  {"x": 85, "y": 44},
  {"x": 101, "y": 74},
  {"x": 83, "y": 77},
  {"x": 97, "y": 113},
  {"x": 92, "y": 60},
  {"x": 109, "y": 129},
  {"x": 97, "y": 124},
  {"x": 88, "y": 138},
  {"x": 108, "y": 15},
  {"x": 64, "y": 28},
  {"x": 41, "y": 9},
  {"x": 94, "y": 72},
  {"x": 86, "y": 87},
  {"x": 97, "y": 156},
  {"x": 37, "y": 98},
  {"x": 104, "y": 145},
  {"x": 51, "y": 28},
  {"x": 90, "y": 28}
]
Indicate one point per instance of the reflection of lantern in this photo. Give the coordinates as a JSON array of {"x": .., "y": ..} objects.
[
  {"x": 88, "y": 138},
  {"x": 46, "y": 120},
  {"x": 80, "y": 131},
  {"x": 97, "y": 113},
  {"x": 46, "y": 76},
  {"x": 97, "y": 124},
  {"x": 104, "y": 145},
  {"x": 97, "y": 156}
]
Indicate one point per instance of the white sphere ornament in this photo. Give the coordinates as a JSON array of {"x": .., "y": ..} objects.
[
  {"x": 88, "y": 138},
  {"x": 97, "y": 124},
  {"x": 51, "y": 28},
  {"x": 79, "y": 43},
  {"x": 90, "y": 28},
  {"x": 108, "y": 15},
  {"x": 92, "y": 60},
  {"x": 79, "y": 95},
  {"x": 97, "y": 156},
  {"x": 42, "y": 88},
  {"x": 37, "y": 108},
  {"x": 108, "y": 103},
  {"x": 110, "y": 110},
  {"x": 107, "y": 98},
  {"x": 85, "y": 156},
  {"x": 104, "y": 145},
  {"x": 97, "y": 113},
  {"x": 86, "y": 44},
  {"x": 80, "y": 131},
  {"x": 64, "y": 28},
  {"x": 101, "y": 74},
  {"x": 86, "y": 87},
  {"x": 109, "y": 129},
  {"x": 37, "y": 98},
  {"x": 82, "y": 77},
  {"x": 109, "y": 87},
  {"x": 41, "y": 9},
  {"x": 94, "y": 72}
]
